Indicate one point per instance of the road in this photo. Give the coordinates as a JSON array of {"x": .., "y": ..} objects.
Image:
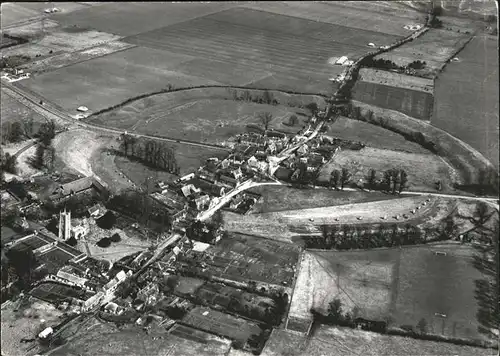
[{"x": 159, "y": 250}]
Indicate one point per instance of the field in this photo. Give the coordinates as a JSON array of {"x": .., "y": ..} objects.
[
  {"x": 411, "y": 102},
  {"x": 221, "y": 324},
  {"x": 377, "y": 76},
  {"x": 423, "y": 170},
  {"x": 54, "y": 259},
  {"x": 56, "y": 293},
  {"x": 291, "y": 225},
  {"x": 381, "y": 16},
  {"x": 13, "y": 13},
  {"x": 107, "y": 81},
  {"x": 98, "y": 338},
  {"x": 189, "y": 158},
  {"x": 435, "y": 47},
  {"x": 278, "y": 198},
  {"x": 24, "y": 322},
  {"x": 467, "y": 97},
  {"x": 247, "y": 257},
  {"x": 215, "y": 40},
  {"x": 401, "y": 286},
  {"x": 334, "y": 341},
  {"x": 13, "y": 111},
  {"x": 204, "y": 115},
  {"x": 465, "y": 160},
  {"x": 372, "y": 136}
]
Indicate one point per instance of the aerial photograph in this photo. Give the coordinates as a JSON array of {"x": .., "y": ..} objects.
[{"x": 237, "y": 178}]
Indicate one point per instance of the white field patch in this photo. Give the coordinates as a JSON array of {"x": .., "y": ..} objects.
[
  {"x": 371, "y": 212},
  {"x": 76, "y": 148}
]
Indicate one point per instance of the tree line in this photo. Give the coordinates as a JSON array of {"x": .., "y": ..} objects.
[
  {"x": 44, "y": 156},
  {"x": 150, "y": 152}
]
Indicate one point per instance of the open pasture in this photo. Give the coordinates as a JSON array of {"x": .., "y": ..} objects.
[
  {"x": 411, "y": 102},
  {"x": 442, "y": 284},
  {"x": 204, "y": 115},
  {"x": 13, "y": 13},
  {"x": 466, "y": 97},
  {"x": 423, "y": 170},
  {"x": 384, "y": 17},
  {"x": 13, "y": 111},
  {"x": 435, "y": 47},
  {"x": 372, "y": 136},
  {"x": 400, "y": 286},
  {"x": 248, "y": 41}
]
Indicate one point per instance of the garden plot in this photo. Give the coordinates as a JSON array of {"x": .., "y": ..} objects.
[
  {"x": 411, "y": 102},
  {"x": 398, "y": 80},
  {"x": 423, "y": 170}
]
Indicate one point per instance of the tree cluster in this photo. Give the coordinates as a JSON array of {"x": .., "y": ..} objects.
[
  {"x": 395, "y": 180},
  {"x": 347, "y": 237},
  {"x": 150, "y": 152},
  {"x": 340, "y": 178},
  {"x": 8, "y": 164},
  {"x": 12, "y": 132},
  {"x": 265, "y": 98}
]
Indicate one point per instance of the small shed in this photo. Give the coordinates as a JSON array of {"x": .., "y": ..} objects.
[{"x": 83, "y": 109}]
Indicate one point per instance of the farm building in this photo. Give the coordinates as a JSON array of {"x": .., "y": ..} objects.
[
  {"x": 341, "y": 60},
  {"x": 79, "y": 186}
]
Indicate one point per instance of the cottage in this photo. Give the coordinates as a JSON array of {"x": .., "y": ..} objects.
[
  {"x": 97, "y": 211},
  {"x": 202, "y": 202},
  {"x": 237, "y": 173}
]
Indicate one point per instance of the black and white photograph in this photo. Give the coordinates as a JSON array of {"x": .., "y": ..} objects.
[{"x": 237, "y": 178}]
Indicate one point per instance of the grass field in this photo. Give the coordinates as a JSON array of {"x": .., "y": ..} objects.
[
  {"x": 13, "y": 13},
  {"x": 107, "y": 81},
  {"x": 466, "y": 94},
  {"x": 434, "y": 47},
  {"x": 401, "y": 286},
  {"x": 99, "y": 338},
  {"x": 411, "y": 102},
  {"x": 189, "y": 159},
  {"x": 424, "y": 170},
  {"x": 372, "y": 136},
  {"x": 204, "y": 115},
  {"x": 285, "y": 198},
  {"x": 13, "y": 111},
  {"x": 278, "y": 45},
  {"x": 333, "y": 341}
]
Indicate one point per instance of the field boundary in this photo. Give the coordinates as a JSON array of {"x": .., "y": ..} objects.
[{"x": 165, "y": 91}]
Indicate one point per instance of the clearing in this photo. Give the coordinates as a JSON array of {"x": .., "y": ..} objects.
[
  {"x": 204, "y": 115},
  {"x": 423, "y": 170},
  {"x": 466, "y": 94}
]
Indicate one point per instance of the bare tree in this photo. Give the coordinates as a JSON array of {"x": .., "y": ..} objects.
[
  {"x": 372, "y": 178},
  {"x": 335, "y": 179},
  {"x": 345, "y": 177},
  {"x": 403, "y": 180},
  {"x": 265, "y": 119}
]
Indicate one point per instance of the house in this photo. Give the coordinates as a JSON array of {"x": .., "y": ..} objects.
[
  {"x": 78, "y": 186},
  {"x": 189, "y": 189},
  {"x": 97, "y": 211},
  {"x": 179, "y": 216},
  {"x": 65, "y": 273},
  {"x": 303, "y": 149},
  {"x": 253, "y": 140},
  {"x": 228, "y": 181},
  {"x": 150, "y": 290},
  {"x": 79, "y": 231},
  {"x": 202, "y": 201},
  {"x": 341, "y": 60},
  {"x": 93, "y": 301},
  {"x": 315, "y": 160},
  {"x": 225, "y": 164},
  {"x": 237, "y": 173}
]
